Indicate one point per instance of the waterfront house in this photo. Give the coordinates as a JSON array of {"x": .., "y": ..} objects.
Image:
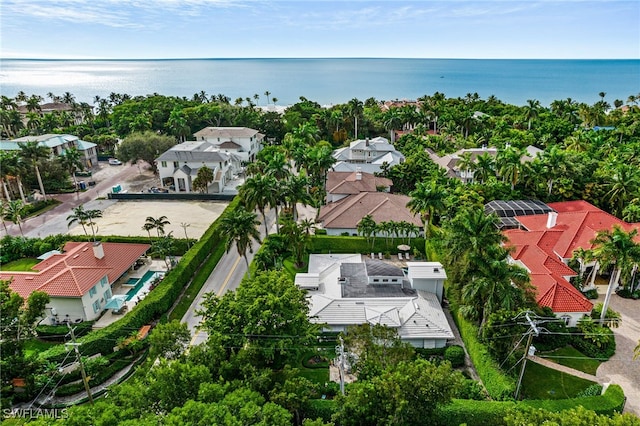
[
  {"x": 242, "y": 141},
  {"x": 179, "y": 165}
]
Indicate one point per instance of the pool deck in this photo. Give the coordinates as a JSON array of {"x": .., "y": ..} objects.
[{"x": 121, "y": 288}]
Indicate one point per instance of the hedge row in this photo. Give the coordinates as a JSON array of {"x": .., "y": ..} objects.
[
  {"x": 339, "y": 244},
  {"x": 155, "y": 304},
  {"x": 483, "y": 413},
  {"x": 498, "y": 385}
]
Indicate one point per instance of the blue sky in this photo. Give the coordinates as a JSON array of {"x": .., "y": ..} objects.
[{"x": 259, "y": 29}]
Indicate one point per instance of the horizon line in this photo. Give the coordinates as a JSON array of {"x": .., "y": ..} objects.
[{"x": 311, "y": 57}]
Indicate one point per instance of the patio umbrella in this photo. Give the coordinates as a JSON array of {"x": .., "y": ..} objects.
[
  {"x": 404, "y": 247},
  {"x": 116, "y": 302}
]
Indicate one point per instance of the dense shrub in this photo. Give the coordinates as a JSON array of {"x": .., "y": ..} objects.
[
  {"x": 591, "y": 294},
  {"x": 319, "y": 408},
  {"x": 594, "y": 341},
  {"x": 593, "y": 390},
  {"x": 58, "y": 332},
  {"x": 498, "y": 385},
  {"x": 455, "y": 355},
  {"x": 483, "y": 413}
]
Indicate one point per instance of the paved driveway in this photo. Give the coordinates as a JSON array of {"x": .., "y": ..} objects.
[{"x": 621, "y": 369}]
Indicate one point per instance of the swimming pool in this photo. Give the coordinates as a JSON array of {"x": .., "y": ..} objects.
[{"x": 148, "y": 276}]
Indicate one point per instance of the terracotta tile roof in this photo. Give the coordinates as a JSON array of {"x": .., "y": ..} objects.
[
  {"x": 74, "y": 272},
  {"x": 383, "y": 207},
  {"x": 579, "y": 223},
  {"x": 547, "y": 271},
  {"x": 553, "y": 291},
  {"x": 347, "y": 182}
]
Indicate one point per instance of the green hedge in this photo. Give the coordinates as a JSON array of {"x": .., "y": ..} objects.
[
  {"x": 455, "y": 355},
  {"x": 339, "y": 244},
  {"x": 105, "y": 374},
  {"x": 157, "y": 302},
  {"x": 483, "y": 413},
  {"x": 498, "y": 385},
  {"x": 58, "y": 332},
  {"x": 612, "y": 401}
]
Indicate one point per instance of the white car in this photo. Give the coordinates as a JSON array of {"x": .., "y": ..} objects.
[{"x": 115, "y": 162}]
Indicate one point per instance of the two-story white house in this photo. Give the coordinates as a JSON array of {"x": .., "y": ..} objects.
[
  {"x": 345, "y": 289},
  {"x": 242, "y": 141},
  {"x": 366, "y": 155},
  {"x": 179, "y": 165}
]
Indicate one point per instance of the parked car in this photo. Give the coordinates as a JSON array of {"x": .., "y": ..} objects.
[
  {"x": 156, "y": 190},
  {"x": 115, "y": 162}
]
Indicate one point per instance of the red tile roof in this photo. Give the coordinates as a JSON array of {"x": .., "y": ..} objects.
[
  {"x": 382, "y": 206},
  {"x": 579, "y": 223},
  {"x": 547, "y": 271},
  {"x": 74, "y": 272}
]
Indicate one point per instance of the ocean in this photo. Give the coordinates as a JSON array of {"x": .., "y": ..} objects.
[{"x": 327, "y": 81}]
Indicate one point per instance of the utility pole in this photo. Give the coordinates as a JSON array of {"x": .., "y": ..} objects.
[
  {"x": 79, "y": 360},
  {"x": 340, "y": 352},
  {"x": 533, "y": 329}
]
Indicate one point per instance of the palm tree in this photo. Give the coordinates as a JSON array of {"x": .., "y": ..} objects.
[
  {"x": 531, "y": 111},
  {"x": 157, "y": 224},
  {"x": 33, "y": 152},
  {"x": 14, "y": 212},
  {"x": 257, "y": 192},
  {"x": 4, "y": 214},
  {"x": 91, "y": 215},
  {"x": 70, "y": 160},
  {"x": 499, "y": 285},
  {"x": 79, "y": 215},
  {"x": 509, "y": 165},
  {"x": 428, "y": 200},
  {"x": 617, "y": 247},
  {"x": 624, "y": 185},
  {"x": 367, "y": 228},
  {"x": 355, "y": 108},
  {"x": 241, "y": 228},
  {"x": 484, "y": 167}
]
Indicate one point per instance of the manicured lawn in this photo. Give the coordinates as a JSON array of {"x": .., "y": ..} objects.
[
  {"x": 540, "y": 382},
  {"x": 35, "y": 346},
  {"x": 291, "y": 268},
  {"x": 20, "y": 265},
  {"x": 571, "y": 357}
]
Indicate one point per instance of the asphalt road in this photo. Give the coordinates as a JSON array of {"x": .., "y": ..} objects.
[{"x": 226, "y": 276}]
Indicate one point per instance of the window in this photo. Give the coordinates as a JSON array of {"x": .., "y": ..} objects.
[
  {"x": 93, "y": 291},
  {"x": 107, "y": 294},
  {"x": 104, "y": 281},
  {"x": 96, "y": 306},
  {"x": 376, "y": 280},
  {"x": 176, "y": 164},
  {"x": 566, "y": 319},
  {"x": 163, "y": 163}
]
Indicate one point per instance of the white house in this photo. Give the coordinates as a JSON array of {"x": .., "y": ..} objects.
[
  {"x": 344, "y": 290},
  {"x": 366, "y": 155},
  {"x": 78, "y": 281},
  {"x": 179, "y": 165},
  {"x": 242, "y": 141}
]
